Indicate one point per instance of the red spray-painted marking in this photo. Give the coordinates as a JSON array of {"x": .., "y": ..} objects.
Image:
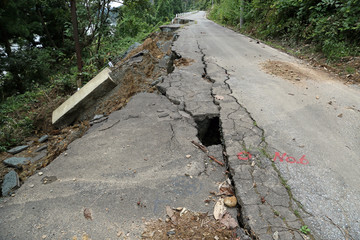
[
  {"x": 289, "y": 159},
  {"x": 239, "y": 155}
]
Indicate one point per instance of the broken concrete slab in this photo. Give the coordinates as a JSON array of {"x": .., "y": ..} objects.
[
  {"x": 68, "y": 112},
  {"x": 16, "y": 162},
  {"x": 170, "y": 28},
  {"x": 132, "y": 47},
  {"x": 18, "y": 149},
  {"x": 11, "y": 180}
]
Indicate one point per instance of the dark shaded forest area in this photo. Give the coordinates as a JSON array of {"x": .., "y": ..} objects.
[{"x": 48, "y": 48}]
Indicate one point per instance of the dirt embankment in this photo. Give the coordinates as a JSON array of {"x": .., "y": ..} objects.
[{"x": 137, "y": 72}]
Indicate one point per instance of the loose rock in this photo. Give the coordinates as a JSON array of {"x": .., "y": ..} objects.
[
  {"x": 16, "y": 161},
  {"x": 18, "y": 149},
  {"x": 43, "y": 138},
  {"x": 162, "y": 115},
  {"x": 230, "y": 201},
  {"x": 11, "y": 180},
  {"x": 41, "y": 148}
]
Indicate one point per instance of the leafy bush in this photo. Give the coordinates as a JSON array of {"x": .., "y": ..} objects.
[
  {"x": 16, "y": 118},
  {"x": 331, "y": 25}
]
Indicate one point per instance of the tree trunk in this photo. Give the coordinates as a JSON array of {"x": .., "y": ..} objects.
[
  {"x": 76, "y": 39},
  {"x": 45, "y": 27},
  {"x": 241, "y": 13}
]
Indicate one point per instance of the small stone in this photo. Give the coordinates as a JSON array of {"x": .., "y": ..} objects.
[
  {"x": 18, "y": 149},
  {"x": 43, "y": 138},
  {"x": 41, "y": 148},
  {"x": 188, "y": 156},
  {"x": 97, "y": 117},
  {"x": 50, "y": 179},
  {"x": 162, "y": 115},
  {"x": 171, "y": 232},
  {"x": 230, "y": 201},
  {"x": 31, "y": 185},
  {"x": 40, "y": 173},
  {"x": 13, "y": 195},
  {"x": 155, "y": 82},
  {"x": 317, "y": 97},
  {"x": 16, "y": 161},
  {"x": 43, "y": 236},
  {"x": 340, "y": 115}
]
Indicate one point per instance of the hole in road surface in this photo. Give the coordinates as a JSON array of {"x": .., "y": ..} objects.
[{"x": 209, "y": 131}]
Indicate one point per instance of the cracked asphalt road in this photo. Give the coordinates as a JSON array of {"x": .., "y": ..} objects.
[{"x": 314, "y": 117}]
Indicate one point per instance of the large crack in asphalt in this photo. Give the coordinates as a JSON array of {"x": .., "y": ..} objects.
[
  {"x": 262, "y": 145},
  {"x": 265, "y": 203}
]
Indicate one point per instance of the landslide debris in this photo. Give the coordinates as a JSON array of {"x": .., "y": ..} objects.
[
  {"x": 187, "y": 225},
  {"x": 135, "y": 73}
]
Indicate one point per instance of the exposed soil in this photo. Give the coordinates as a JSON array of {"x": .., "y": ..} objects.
[
  {"x": 190, "y": 225},
  {"x": 183, "y": 62},
  {"x": 295, "y": 72}
]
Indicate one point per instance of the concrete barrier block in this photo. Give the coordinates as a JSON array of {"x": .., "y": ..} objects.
[{"x": 97, "y": 87}]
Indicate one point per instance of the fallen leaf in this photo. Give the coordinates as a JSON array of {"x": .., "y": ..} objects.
[
  {"x": 229, "y": 221},
  {"x": 87, "y": 214},
  {"x": 219, "y": 209},
  {"x": 171, "y": 214},
  {"x": 225, "y": 189},
  {"x": 276, "y": 235}
]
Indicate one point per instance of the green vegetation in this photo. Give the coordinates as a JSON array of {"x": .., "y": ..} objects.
[
  {"x": 38, "y": 42},
  {"x": 331, "y": 26},
  {"x": 16, "y": 118},
  {"x": 305, "y": 230}
]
